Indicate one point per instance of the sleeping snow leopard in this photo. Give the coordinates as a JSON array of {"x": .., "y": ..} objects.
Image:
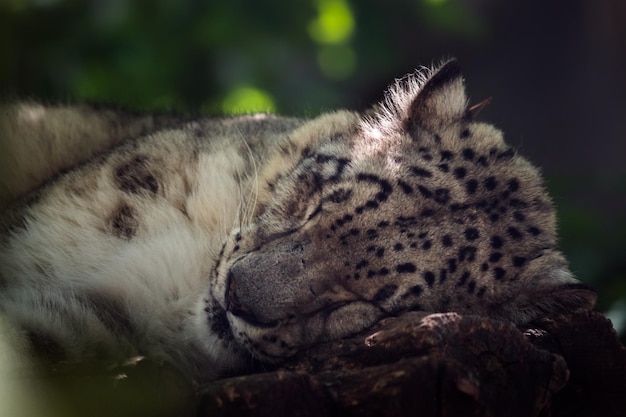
[{"x": 206, "y": 242}]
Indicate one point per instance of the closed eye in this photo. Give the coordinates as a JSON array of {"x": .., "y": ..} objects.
[
  {"x": 315, "y": 212},
  {"x": 340, "y": 195}
]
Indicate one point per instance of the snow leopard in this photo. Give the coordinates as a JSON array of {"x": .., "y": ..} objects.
[{"x": 206, "y": 242}]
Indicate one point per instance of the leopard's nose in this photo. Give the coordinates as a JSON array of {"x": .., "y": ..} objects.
[
  {"x": 270, "y": 284},
  {"x": 241, "y": 310}
]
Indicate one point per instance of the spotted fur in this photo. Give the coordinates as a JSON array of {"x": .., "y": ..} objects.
[{"x": 213, "y": 240}]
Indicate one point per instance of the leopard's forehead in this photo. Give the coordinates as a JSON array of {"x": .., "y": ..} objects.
[
  {"x": 465, "y": 170},
  {"x": 441, "y": 219},
  {"x": 456, "y": 203}
]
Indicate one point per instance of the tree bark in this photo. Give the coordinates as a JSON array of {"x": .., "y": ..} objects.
[{"x": 441, "y": 365}]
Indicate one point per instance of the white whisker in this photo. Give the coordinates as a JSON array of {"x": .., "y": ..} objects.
[{"x": 250, "y": 203}]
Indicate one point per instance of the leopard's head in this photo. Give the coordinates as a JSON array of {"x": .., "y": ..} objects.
[{"x": 413, "y": 206}]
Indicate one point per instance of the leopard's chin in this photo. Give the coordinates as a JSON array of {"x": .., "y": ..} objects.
[{"x": 296, "y": 333}]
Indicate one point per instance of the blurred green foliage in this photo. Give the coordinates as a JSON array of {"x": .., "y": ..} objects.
[
  {"x": 228, "y": 56},
  {"x": 294, "y": 57}
]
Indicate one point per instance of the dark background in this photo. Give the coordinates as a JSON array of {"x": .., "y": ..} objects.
[{"x": 556, "y": 71}]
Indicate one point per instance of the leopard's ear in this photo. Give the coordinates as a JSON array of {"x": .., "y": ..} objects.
[
  {"x": 440, "y": 101},
  {"x": 426, "y": 100}
]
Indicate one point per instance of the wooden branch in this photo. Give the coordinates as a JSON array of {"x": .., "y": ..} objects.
[{"x": 442, "y": 365}]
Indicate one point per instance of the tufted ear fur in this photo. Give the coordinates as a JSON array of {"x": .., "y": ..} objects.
[
  {"x": 427, "y": 100},
  {"x": 439, "y": 102}
]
